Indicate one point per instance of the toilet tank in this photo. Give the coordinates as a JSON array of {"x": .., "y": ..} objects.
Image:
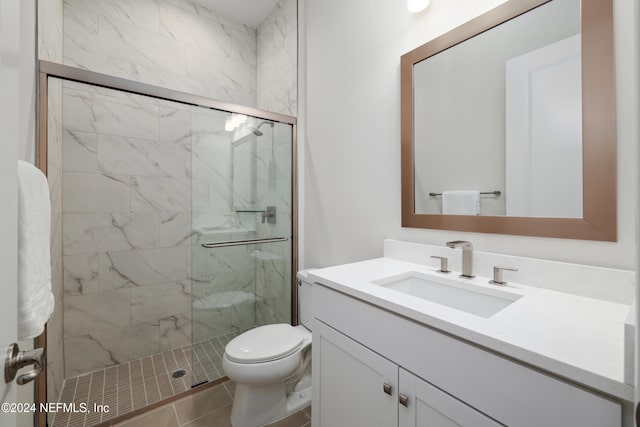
[{"x": 305, "y": 308}]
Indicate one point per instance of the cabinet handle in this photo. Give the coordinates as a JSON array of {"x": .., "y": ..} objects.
[
  {"x": 404, "y": 400},
  {"x": 386, "y": 388}
]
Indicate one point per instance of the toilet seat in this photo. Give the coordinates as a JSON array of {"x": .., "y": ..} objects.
[{"x": 264, "y": 344}]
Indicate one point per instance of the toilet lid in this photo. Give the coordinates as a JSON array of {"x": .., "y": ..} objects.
[{"x": 264, "y": 344}]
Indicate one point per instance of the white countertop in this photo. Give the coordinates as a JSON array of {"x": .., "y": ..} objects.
[{"x": 578, "y": 338}]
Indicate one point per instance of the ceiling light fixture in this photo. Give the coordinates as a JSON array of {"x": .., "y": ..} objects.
[{"x": 416, "y": 6}]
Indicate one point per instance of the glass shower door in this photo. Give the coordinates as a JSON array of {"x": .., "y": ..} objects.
[{"x": 242, "y": 227}]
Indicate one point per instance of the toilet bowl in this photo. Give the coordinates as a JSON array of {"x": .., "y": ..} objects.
[{"x": 271, "y": 368}]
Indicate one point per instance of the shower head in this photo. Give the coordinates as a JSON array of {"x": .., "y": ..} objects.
[{"x": 256, "y": 131}]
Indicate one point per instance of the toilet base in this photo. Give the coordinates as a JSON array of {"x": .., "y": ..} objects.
[{"x": 257, "y": 406}]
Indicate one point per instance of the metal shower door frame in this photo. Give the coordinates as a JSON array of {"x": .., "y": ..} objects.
[{"x": 64, "y": 72}]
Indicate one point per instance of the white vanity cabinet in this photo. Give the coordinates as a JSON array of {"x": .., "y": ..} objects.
[
  {"x": 423, "y": 405},
  {"x": 358, "y": 387},
  {"x": 366, "y": 360}
]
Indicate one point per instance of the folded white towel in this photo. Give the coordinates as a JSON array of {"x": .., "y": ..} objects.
[
  {"x": 35, "y": 299},
  {"x": 461, "y": 202}
]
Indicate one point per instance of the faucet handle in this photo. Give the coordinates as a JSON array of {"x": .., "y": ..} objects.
[
  {"x": 497, "y": 275},
  {"x": 444, "y": 264}
]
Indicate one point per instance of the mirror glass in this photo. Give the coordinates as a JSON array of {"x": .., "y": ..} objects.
[
  {"x": 497, "y": 120},
  {"x": 508, "y": 123}
]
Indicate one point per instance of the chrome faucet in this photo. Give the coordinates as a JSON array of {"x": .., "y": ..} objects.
[{"x": 467, "y": 256}]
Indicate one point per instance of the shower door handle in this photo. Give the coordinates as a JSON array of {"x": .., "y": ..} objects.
[{"x": 16, "y": 359}]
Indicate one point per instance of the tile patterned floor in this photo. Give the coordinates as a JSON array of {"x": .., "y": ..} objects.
[
  {"x": 208, "y": 408},
  {"x": 135, "y": 385}
]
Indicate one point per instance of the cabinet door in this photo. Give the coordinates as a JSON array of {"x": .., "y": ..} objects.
[
  {"x": 428, "y": 406},
  {"x": 349, "y": 383}
]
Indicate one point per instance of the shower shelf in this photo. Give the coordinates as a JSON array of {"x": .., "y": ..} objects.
[
  {"x": 249, "y": 210},
  {"x": 244, "y": 242}
]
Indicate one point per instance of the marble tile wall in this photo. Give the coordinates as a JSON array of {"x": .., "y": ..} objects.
[
  {"x": 276, "y": 91},
  {"x": 145, "y": 182},
  {"x": 50, "y": 47},
  {"x": 176, "y": 44},
  {"x": 277, "y": 63},
  {"x": 126, "y": 205}
]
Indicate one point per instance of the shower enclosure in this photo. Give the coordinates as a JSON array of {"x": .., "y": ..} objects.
[{"x": 177, "y": 218}]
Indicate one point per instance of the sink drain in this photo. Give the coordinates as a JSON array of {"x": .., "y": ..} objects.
[{"x": 179, "y": 373}]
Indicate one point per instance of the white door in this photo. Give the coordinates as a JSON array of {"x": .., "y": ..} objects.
[
  {"x": 355, "y": 386},
  {"x": 423, "y": 405},
  {"x": 544, "y": 132},
  {"x": 9, "y": 137}
]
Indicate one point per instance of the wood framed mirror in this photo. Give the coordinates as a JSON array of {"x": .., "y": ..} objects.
[{"x": 426, "y": 106}]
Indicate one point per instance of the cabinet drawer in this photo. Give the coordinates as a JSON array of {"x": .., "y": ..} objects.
[{"x": 506, "y": 391}]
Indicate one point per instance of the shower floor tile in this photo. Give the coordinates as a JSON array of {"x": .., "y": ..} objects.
[{"x": 136, "y": 384}]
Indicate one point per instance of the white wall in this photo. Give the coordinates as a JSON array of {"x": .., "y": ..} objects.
[
  {"x": 10, "y": 26},
  {"x": 27, "y": 150},
  {"x": 26, "y": 125},
  {"x": 351, "y": 143}
]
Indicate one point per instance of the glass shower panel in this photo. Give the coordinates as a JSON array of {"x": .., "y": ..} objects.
[
  {"x": 173, "y": 234},
  {"x": 242, "y": 228},
  {"x": 274, "y": 189},
  {"x": 125, "y": 213}
]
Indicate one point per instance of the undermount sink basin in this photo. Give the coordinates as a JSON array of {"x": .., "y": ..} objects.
[{"x": 466, "y": 297}]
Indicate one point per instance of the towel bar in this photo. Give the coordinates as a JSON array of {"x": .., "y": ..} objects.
[
  {"x": 495, "y": 193},
  {"x": 244, "y": 242}
]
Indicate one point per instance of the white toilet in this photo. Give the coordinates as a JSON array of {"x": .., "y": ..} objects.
[{"x": 271, "y": 367}]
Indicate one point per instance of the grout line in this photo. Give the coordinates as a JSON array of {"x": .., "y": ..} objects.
[
  {"x": 193, "y": 364},
  {"x": 131, "y": 388},
  {"x": 195, "y": 356},
  {"x": 53, "y": 419},
  {"x": 175, "y": 412},
  {"x": 227, "y": 390},
  {"x": 117, "y": 387},
  {"x": 73, "y": 399},
  {"x": 104, "y": 388},
  {"x": 144, "y": 386},
  {"x": 204, "y": 415},
  {"x": 155, "y": 375},
  {"x": 210, "y": 360}
]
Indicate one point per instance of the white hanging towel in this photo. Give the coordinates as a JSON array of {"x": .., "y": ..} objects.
[
  {"x": 461, "y": 202},
  {"x": 35, "y": 298}
]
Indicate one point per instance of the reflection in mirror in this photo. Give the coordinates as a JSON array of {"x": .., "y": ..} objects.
[
  {"x": 508, "y": 123},
  {"x": 501, "y": 112},
  {"x": 243, "y": 173}
]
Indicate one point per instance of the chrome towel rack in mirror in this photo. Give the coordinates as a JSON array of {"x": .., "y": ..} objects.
[{"x": 495, "y": 193}]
